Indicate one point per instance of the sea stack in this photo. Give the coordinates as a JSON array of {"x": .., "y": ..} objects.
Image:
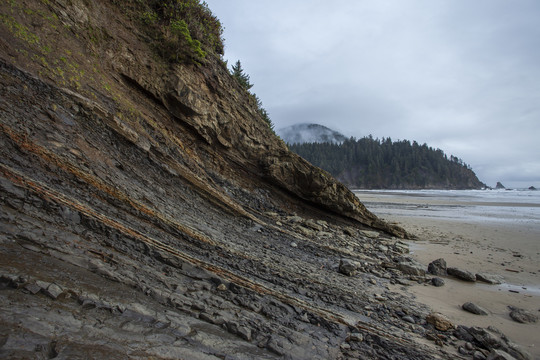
[{"x": 499, "y": 185}]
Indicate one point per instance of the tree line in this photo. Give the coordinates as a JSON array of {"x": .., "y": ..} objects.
[{"x": 369, "y": 163}]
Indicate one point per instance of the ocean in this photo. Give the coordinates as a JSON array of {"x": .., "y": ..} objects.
[{"x": 517, "y": 207}]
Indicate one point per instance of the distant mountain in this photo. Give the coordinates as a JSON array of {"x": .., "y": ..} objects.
[
  {"x": 369, "y": 163},
  {"x": 310, "y": 133}
]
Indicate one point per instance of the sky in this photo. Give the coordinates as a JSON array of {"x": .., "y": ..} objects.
[{"x": 460, "y": 75}]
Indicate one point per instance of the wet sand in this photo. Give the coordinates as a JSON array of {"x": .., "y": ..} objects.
[{"x": 507, "y": 248}]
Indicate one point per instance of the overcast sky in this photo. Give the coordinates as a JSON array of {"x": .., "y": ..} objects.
[{"x": 459, "y": 75}]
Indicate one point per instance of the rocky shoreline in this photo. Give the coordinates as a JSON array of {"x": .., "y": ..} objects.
[
  {"x": 493, "y": 260},
  {"x": 148, "y": 211},
  {"x": 301, "y": 289}
]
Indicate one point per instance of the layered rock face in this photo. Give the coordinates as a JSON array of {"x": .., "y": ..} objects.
[{"x": 148, "y": 211}]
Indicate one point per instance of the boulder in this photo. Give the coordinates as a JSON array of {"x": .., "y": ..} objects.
[
  {"x": 499, "y": 185},
  {"x": 492, "y": 339},
  {"x": 489, "y": 278},
  {"x": 462, "y": 333},
  {"x": 347, "y": 267},
  {"x": 411, "y": 267},
  {"x": 474, "y": 309},
  {"x": 437, "y": 267},
  {"x": 499, "y": 355},
  {"x": 522, "y": 316},
  {"x": 438, "y": 282},
  {"x": 461, "y": 274},
  {"x": 488, "y": 339},
  {"x": 439, "y": 321}
]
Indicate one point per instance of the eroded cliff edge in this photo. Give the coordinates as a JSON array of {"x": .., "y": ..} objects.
[
  {"x": 148, "y": 211},
  {"x": 196, "y": 115}
]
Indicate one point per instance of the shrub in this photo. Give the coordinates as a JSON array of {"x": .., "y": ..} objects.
[
  {"x": 180, "y": 36},
  {"x": 192, "y": 22},
  {"x": 181, "y": 30},
  {"x": 149, "y": 17}
]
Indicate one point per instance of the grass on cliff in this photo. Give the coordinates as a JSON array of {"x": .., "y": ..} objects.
[{"x": 182, "y": 31}]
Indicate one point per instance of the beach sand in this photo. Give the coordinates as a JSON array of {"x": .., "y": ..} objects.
[{"x": 509, "y": 249}]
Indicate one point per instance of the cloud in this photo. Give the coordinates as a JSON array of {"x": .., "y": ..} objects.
[{"x": 458, "y": 75}]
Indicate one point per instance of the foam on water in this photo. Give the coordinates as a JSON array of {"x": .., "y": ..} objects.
[{"x": 512, "y": 206}]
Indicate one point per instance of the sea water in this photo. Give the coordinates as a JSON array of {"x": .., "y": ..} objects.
[{"x": 512, "y": 206}]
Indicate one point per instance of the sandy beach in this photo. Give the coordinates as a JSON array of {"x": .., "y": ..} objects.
[{"x": 509, "y": 248}]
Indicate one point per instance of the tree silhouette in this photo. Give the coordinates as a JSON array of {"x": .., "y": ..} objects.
[
  {"x": 240, "y": 76},
  {"x": 387, "y": 164}
]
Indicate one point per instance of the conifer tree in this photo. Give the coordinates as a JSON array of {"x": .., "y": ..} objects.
[{"x": 240, "y": 76}]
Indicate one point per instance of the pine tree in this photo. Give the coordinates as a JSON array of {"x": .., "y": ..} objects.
[{"x": 240, "y": 76}]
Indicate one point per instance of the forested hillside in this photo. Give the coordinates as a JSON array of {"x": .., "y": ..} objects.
[{"x": 370, "y": 163}]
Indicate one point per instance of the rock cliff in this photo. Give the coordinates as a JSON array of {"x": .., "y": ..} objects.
[{"x": 148, "y": 211}]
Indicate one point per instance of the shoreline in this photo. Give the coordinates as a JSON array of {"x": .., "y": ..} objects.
[{"x": 509, "y": 248}]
